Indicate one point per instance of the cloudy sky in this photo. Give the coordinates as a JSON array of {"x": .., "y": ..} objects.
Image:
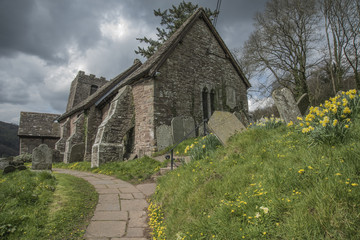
[{"x": 44, "y": 43}]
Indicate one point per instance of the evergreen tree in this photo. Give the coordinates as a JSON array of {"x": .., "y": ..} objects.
[{"x": 171, "y": 19}]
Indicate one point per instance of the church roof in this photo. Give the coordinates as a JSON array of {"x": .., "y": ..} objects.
[
  {"x": 150, "y": 67},
  {"x": 38, "y": 125},
  {"x": 102, "y": 91}
]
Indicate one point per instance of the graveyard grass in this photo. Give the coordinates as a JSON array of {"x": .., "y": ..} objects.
[
  {"x": 134, "y": 171},
  {"x": 266, "y": 184},
  {"x": 40, "y": 205}
]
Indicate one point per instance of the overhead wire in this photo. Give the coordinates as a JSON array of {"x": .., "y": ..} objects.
[{"x": 217, "y": 10}]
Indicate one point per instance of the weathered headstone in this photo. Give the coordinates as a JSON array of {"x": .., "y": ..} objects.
[
  {"x": 42, "y": 158},
  {"x": 189, "y": 126},
  {"x": 163, "y": 137},
  {"x": 180, "y": 127},
  {"x": 224, "y": 125},
  {"x": 286, "y": 105},
  {"x": 4, "y": 162},
  {"x": 77, "y": 153},
  {"x": 57, "y": 156},
  {"x": 303, "y": 103}
]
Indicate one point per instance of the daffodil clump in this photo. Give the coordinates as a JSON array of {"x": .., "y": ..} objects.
[
  {"x": 156, "y": 217},
  {"x": 330, "y": 122},
  {"x": 268, "y": 123},
  {"x": 202, "y": 147}
]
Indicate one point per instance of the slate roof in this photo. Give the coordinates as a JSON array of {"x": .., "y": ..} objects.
[
  {"x": 102, "y": 91},
  {"x": 150, "y": 67},
  {"x": 38, "y": 125}
]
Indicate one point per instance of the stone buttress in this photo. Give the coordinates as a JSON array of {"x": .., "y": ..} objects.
[{"x": 109, "y": 143}]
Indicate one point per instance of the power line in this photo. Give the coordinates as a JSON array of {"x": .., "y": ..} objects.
[{"x": 217, "y": 12}]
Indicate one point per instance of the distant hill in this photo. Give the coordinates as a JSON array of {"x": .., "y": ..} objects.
[{"x": 9, "y": 141}]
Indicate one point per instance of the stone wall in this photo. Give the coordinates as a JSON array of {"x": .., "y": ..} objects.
[
  {"x": 198, "y": 63},
  {"x": 27, "y": 144},
  {"x": 143, "y": 94},
  {"x": 76, "y": 136},
  {"x": 93, "y": 119},
  {"x": 64, "y": 135}
]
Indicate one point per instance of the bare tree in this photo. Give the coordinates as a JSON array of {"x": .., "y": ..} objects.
[
  {"x": 342, "y": 23},
  {"x": 283, "y": 42}
]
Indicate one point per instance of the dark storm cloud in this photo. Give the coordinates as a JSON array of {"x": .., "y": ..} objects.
[{"x": 44, "y": 43}]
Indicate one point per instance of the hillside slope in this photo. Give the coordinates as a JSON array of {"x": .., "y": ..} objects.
[
  {"x": 266, "y": 184},
  {"x": 9, "y": 141}
]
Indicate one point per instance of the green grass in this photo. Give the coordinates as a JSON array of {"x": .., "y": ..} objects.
[
  {"x": 266, "y": 184},
  {"x": 41, "y": 205},
  {"x": 134, "y": 171}
]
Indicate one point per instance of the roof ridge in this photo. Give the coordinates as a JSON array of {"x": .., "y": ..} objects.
[{"x": 102, "y": 90}]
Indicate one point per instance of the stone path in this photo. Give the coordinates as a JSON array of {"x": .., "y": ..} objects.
[{"x": 120, "y": 213}]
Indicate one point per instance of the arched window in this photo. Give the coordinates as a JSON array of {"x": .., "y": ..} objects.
[
  {"x": 212, "y": 101},
  {"x": 205, "y": 104}
]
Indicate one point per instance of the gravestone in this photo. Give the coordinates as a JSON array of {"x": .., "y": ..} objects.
[
  {"x": 77, "y": 153},
  {"x": 4, "y": 162},
  {"x": 42, "y": 158},
  {"x": 286, "y": 105},
  {"x": 303, "y": 103},
  {"x": 224, "y": 125},
  {"x": 180, "y": 127},
  {"x": 57, "y": 156},
  {"x": 163, "y": 137}
]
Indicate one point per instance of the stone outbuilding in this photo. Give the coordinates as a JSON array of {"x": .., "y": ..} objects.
[
  {"x": 152, "y": 105},
  {"x": 36, "y": 129}
]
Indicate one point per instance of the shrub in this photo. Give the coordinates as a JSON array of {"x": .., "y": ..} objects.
[
  {"x": 330, "y": 122},
  {"x": 26, "y": 158},
  {"x": 268, "y": 123},
  {"x": 201, "y": 148}
]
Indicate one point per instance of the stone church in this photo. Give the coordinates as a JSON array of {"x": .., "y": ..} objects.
[{"x": 190, "y": 76}]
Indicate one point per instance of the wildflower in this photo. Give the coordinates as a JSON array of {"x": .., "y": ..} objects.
[
  {"x": 265, "y": 209},
  {"x": 299, "y": 118},
  {"x": 338, "y": 174},
  {"x": 310, "y": 167},
  {"x": 257, "y": 215},
  {"x": 290, "y": 124},
  {"x": 203, "y": 146},
  {"x": 346, "y": 110},
  {"x": 346, "y": 126},
  {"x": 301, "y": 171},
  {"x": 354, "y": 184},
  {"x": 335, "y": 122}
]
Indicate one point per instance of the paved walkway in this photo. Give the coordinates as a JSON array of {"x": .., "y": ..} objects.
[{"x": 120, "y": 213}]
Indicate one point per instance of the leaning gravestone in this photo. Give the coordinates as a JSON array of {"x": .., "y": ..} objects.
[
  {"x": 224, "y": 125},
  {"x": 181, "y": 127},
  {"x": 42, "y": 158},
  {"x": 286, "y": 105}
]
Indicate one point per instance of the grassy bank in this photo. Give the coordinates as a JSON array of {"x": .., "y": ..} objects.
[
  {"x": 44, "y": 206},
  {"x": 134, "y": 171},
  {"x": 267, "y": 184}
]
